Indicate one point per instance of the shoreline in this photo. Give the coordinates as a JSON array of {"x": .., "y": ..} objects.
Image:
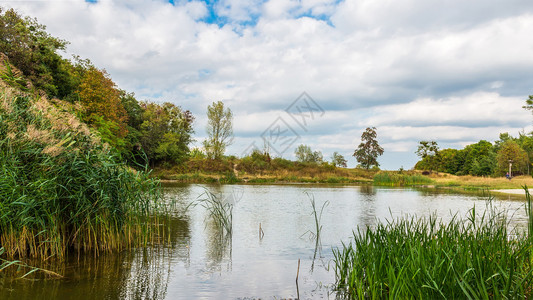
[{"x": 510, "y": 191}]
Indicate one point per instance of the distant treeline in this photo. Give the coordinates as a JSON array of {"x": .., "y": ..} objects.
[{"x": 482, "y": 158}]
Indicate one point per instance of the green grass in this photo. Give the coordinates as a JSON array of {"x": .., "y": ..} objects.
[
  {"x": 220, "y": 211},
  {"x": 61, "y": 190},
  {"x": 411, "y": 258},
  {"x": 400, "y": 179}
]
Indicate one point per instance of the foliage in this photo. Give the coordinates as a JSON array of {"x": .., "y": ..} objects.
[
  {"x": 368, "y": 151},
  {"x": 429, "y": 150},
  {"x": 35, "y": 52},
  {"x": 338, "y": 160},
  {"x": 219, "y": 130},
  {"x": 100, "y": 100},
  {"x": 413, "y": 258},
  {"x": 400, "y": 179},
  {"x": 60, "y": 189},
  {"x": 511, "y": 151},
  {"x": 11, "y": 78},
  {"x": 166, "y": 132},
  {"x": 257, "y": 161},
  {"x": 304, "y": 154}
]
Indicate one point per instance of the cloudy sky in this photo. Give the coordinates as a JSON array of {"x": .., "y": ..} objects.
[{"x": 453, "y": 71}]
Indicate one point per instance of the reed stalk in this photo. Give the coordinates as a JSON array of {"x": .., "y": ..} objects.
[
  {"x": 220, "y": 211},
  {"x": 471, "y": 258},
  {"x": 62, "y": 191}
]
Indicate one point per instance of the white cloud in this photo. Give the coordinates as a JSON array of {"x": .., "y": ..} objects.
[
  {"x": 415, "y": 69},
  {"x": 480, "y": 109}
]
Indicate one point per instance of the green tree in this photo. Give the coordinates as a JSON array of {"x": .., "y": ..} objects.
[
  {"x": 368, "y": 150},
  {"x": 166, "y": 132},
  {"x": 449, "y": 161},
  {"x": 304, "y": 154},
  {"x": 219, "y": 130},
  {"x": 35, "y": 52},
  {"x": 479, "y": 159},
  {"x": 338, "y": 160},
  {"x": 101, "y": 103},
  {"x": 511, "y": 151},
  {"x": 428, "y": 151}
]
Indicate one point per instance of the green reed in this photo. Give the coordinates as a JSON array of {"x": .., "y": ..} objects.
[
  {"x": 471, "y": 258},
  {"x": 219, "y": 209},
  {"x": 400, "y": 179},
  {"x": 63, "y": 191}
]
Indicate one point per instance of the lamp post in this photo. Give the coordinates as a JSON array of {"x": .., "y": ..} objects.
[{"x": 510, "y": 165}]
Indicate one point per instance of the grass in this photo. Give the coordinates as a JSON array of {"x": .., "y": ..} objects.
[
  {"x": 318, "y": 226},
  {"x": 220, "y": 211},
  {"x": 476, "y": 182},
  {"x": 61, "y": 190},
  {"x": 274, "y": 177},
  {"x": 244, "y": 170},
  {"x": 468, "y": 258},
  {"x": 400, "y": 179}
]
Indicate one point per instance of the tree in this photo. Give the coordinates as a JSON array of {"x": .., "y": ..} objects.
[
  {"x": 428, "y": 151},
  {"x": 166, "y": 132},
  {"x": 338, "y": 160},
  {"x": 306, "y": 155},
  {"x": 479, "y": 159},
  {"x": 102, "y": 104},
  {"x": 219, "y": 130},
  {"x": 529, "y": 104},
  {"x": 34, "y": 52},
  {"x": 511, "y": 151},
  {"x": 369, "y": 149}
]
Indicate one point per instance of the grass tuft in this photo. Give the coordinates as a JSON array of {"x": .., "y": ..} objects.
[
  {"x": 400, "y": 179},
  {"x": 470, "y": 258}
]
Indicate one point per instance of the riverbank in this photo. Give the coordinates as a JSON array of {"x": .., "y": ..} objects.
[
  {"x": 304, "y": 174},
  {"x": 319, "y": 174},
  {"x": 475, "y": 182}
]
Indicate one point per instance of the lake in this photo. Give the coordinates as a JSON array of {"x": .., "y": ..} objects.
[{"x": 199, "y": 264}]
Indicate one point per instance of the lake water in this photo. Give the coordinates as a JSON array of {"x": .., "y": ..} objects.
[{"x": 201, "y": 265}]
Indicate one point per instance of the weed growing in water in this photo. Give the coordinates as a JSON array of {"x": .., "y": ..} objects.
[
  {"x": 62, "y": 191},
  {"x": 220, "y": 211},
  {"x": 471, "y": 258}
]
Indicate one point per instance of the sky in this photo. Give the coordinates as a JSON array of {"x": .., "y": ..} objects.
[{"x": 316, "y": 72}]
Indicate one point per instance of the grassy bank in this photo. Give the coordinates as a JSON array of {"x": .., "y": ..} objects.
[
  {"x": 477, "y": 182},
  {"x": 471, "y": 258},
  {"x": 401, "y": 179},
  {"x": 61, "y": 189},
  {"x": 294, "y": 173}
]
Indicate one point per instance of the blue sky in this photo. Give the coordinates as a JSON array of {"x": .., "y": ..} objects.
[{"x": 452, "y": 71}]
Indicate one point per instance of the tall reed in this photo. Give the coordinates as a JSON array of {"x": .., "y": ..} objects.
[
  {"x": 400, "y": 179},
  {"x": 61, "y": 189},
  {"x": 471, "y": 258},
  {"x": 318, "y": 227},
  {"x": 220, "y": 211}
]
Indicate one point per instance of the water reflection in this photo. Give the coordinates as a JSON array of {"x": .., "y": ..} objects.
[
  {"x": 202, "y": 263},
  {"x": 367, "y": 212},
  {"x": 218, "y": 247},
  {"x": 135, "y": 274}
]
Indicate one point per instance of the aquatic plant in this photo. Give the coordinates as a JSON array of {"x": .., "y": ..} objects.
[
  {"x": 400, "y": 179},
  {"x": 472, "y": 258},
  {"x": 220, "y": 211},
  {"x": 61, "y": 189}
]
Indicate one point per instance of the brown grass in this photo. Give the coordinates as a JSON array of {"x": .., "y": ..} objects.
[{"x": 443, "y": 179}]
